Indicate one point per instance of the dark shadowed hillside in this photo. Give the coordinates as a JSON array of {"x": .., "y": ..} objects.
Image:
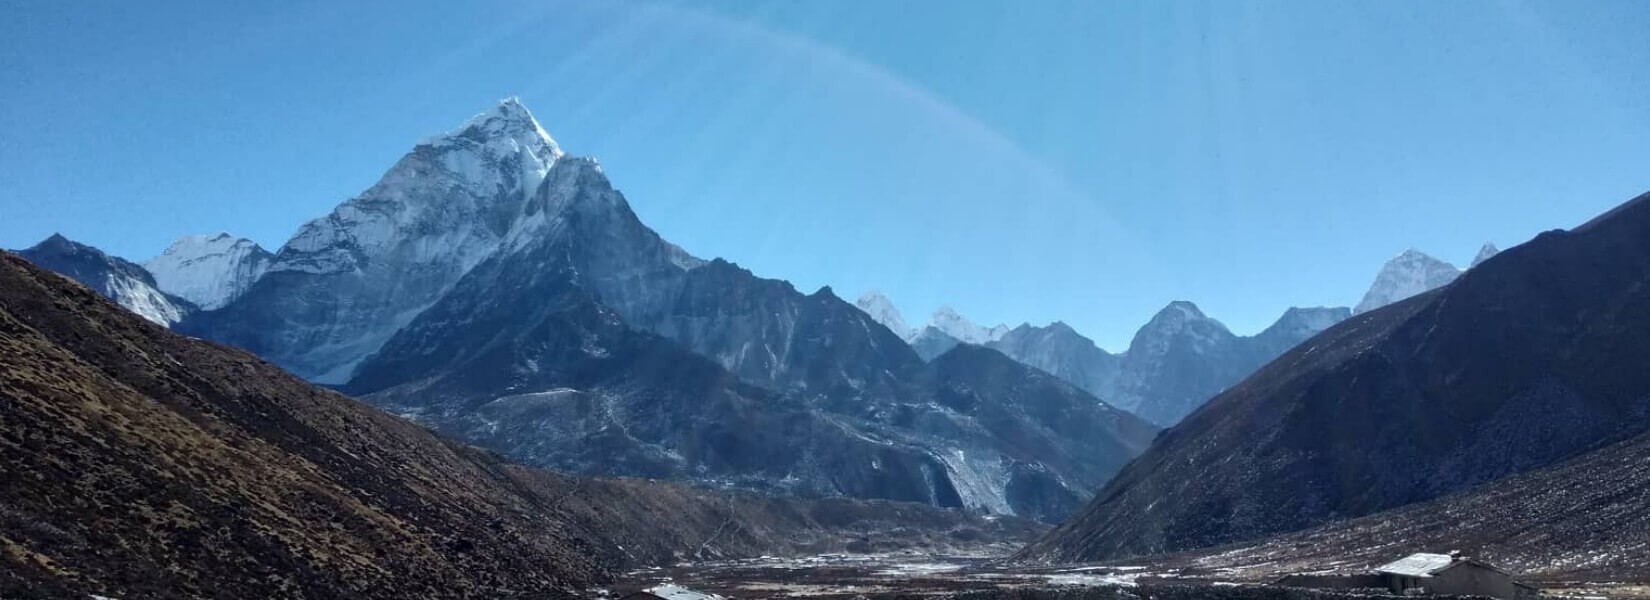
[
  {"x": 1531, "y": 357},
  {"x": 139, "y": 463},
  {"x": 1584, "y": 519}
]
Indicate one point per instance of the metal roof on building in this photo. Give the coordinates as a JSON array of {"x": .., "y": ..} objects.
[
  {"x": 1420, "y": 564},
  {"x": 671, "y": 591}
]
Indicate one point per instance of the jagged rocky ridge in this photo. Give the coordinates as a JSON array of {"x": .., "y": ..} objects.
[
  {"x": 128, "y": 284},
  {"x": 489, "y": 241},
  {"x": 1531, "y": 357},
  {"x": 141, "y": 463},
  {"x": 944, "y": 330}
]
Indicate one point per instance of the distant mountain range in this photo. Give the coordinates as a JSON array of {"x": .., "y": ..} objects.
[
  {"x": 503, "y": 292},
  {"x": 1531, "y": 357},
  {"x": 1177, "y": 360}
]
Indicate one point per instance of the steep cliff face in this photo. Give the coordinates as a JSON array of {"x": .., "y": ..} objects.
[{"x": 1527, "y": 359}]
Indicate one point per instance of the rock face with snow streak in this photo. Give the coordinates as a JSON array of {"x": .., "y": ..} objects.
[
  {"x": 347, "y": 281},
  {"x": 1407, "y": 274},
  {"x": 209, "y": 271},
  {"x": 128, "y": 284}
]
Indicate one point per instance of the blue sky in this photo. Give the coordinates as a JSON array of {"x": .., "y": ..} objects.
[{"x": 1022, "y": 161}]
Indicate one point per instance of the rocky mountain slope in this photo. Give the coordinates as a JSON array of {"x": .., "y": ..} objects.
[
  {"x": 1584, "y": 519},
  {"x": 209, "y": 271},
  {"x": 117, "y": 279},
  {"x": 526, "y": 355},
  {"x": 140, "y": 463},
  {"x": 1527, "y": 359}
]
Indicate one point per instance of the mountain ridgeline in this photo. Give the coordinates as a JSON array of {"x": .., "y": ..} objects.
[
  {"x": 1531, "y": 357},
  {"x": 1178, "y": 360},
  {"x": 503, "y": 292}
]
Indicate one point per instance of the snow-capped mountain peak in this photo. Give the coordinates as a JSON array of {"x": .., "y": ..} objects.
[
  {"x": 1411, "y": 272},
  {"x": 1485, "y": 252},
  {"x": 882, "y": 310},
  {"x": 450, "y": 198},
  {"x": 949, "y": 321},
  {"x": 448, "y": 204},
  {"x": 209, "y": 270},
  {"x": 507, "y": 123}
]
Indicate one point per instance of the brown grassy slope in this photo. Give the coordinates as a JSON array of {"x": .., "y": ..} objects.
[{"x": 139, "y": 463}]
